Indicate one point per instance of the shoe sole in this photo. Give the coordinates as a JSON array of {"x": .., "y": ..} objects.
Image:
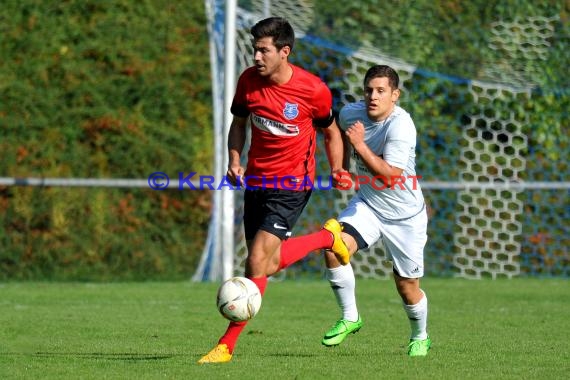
[{"x": 336, "y": 344}]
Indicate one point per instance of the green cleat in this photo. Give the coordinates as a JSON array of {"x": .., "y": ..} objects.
[
  {"x": 419, "y": 347},
  {"x": 338, "y": 333}
]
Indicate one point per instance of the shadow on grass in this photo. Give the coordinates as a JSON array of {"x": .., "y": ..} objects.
[{"x": 126, "y": 356}]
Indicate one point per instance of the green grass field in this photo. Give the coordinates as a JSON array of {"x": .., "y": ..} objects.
[{"x": 502, "y": 329}]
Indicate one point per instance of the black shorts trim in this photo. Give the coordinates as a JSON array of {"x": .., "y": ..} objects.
[{"x": 349, "y": 229}]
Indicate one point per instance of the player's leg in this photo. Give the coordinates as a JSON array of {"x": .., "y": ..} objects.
[
  {"x": 415, "y": 304},
  {"x": 256, "y": 263},
  {"x": 261, "y": 251},
  {"x": 343, "y": 284},
  {"x": 359, "y": 231},
  {"x": 296, "y": 248},
  {"x": 283, "y": 210},
  {"x": 404, "y": 242},
  {"x": 261, "y": 246}
]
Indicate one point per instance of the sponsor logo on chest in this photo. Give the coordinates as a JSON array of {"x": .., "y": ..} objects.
[{"x": 274, "y": 127}]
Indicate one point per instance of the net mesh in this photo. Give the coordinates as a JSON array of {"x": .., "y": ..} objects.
[
  {"x": 517, "y": 47},
  {"x": 478, "y": 136}
]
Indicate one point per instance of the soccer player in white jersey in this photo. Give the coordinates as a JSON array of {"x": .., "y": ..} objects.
[{"x": 388, "y": 206}]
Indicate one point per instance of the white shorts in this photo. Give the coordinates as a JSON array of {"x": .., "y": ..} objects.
[{"x": 404, "y": 240}]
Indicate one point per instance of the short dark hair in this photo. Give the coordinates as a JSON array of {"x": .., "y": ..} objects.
[
  {"x": 276, "y": 27},
  {"x": 383, "y": 71}
]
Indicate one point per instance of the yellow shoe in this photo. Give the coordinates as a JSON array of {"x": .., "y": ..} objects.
[
  {"x": 339, "y": 248},
  {"x": 219, "y": 354}
]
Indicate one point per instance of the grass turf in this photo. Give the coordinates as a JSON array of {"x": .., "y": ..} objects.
[{"x": 507, "y": 329}]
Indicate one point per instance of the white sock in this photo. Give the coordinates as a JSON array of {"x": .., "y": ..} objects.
[
  {"x": 343, "y": 285},
  {"x": 417, "y": 314}
]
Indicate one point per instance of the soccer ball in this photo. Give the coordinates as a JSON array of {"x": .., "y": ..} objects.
[{"x": 239, "y": 299}]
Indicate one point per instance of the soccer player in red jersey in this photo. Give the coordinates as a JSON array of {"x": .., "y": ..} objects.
[{"x": 285, "y": 105}]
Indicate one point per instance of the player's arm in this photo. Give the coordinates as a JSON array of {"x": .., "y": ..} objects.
[
  {"x": 334, "y": 146},
  {"x": 347, "y": 151},
  {"x": 324, "y": 120},
  {"x": 236, "y": 142},
  {"x": 376, "y": 164}
]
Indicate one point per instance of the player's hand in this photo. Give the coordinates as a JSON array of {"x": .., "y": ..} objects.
[
  {"x": 355, "y": 133},
  {"x": 341, "y": 179},
  {"x": 235, "y": 175}
]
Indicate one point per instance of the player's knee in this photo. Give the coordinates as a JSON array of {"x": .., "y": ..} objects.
[
  {"x": 350, "y": 242},
  {"x": 256, "y": 265}
]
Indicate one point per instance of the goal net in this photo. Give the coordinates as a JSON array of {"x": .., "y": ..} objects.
[{"x": 496, "y": 189}]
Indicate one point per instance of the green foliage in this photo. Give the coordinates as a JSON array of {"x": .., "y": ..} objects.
[
  {"x": 160, "y": 330},
  {"x": 121, "y": 89},
  {"x": 107, "y": 88},
  {"x": 549, "y": 126},
  {"x": 102, "y": 234},
  {"x": 445, "y": 36},
  {"x": 115, "y": 89},
  {"x": 452, "y": 37}
]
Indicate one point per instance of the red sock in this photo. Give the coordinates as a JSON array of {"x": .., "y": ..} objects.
[
  {"x": 235, "y": 328},
  {"x": 294, "y": 249},
  {"x": 261, "y": 283}
]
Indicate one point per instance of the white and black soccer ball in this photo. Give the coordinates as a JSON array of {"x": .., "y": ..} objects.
[{"x": 238, "y": 299}]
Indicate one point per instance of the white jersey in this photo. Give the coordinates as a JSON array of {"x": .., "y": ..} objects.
[{"x": 395, "y": 140}]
